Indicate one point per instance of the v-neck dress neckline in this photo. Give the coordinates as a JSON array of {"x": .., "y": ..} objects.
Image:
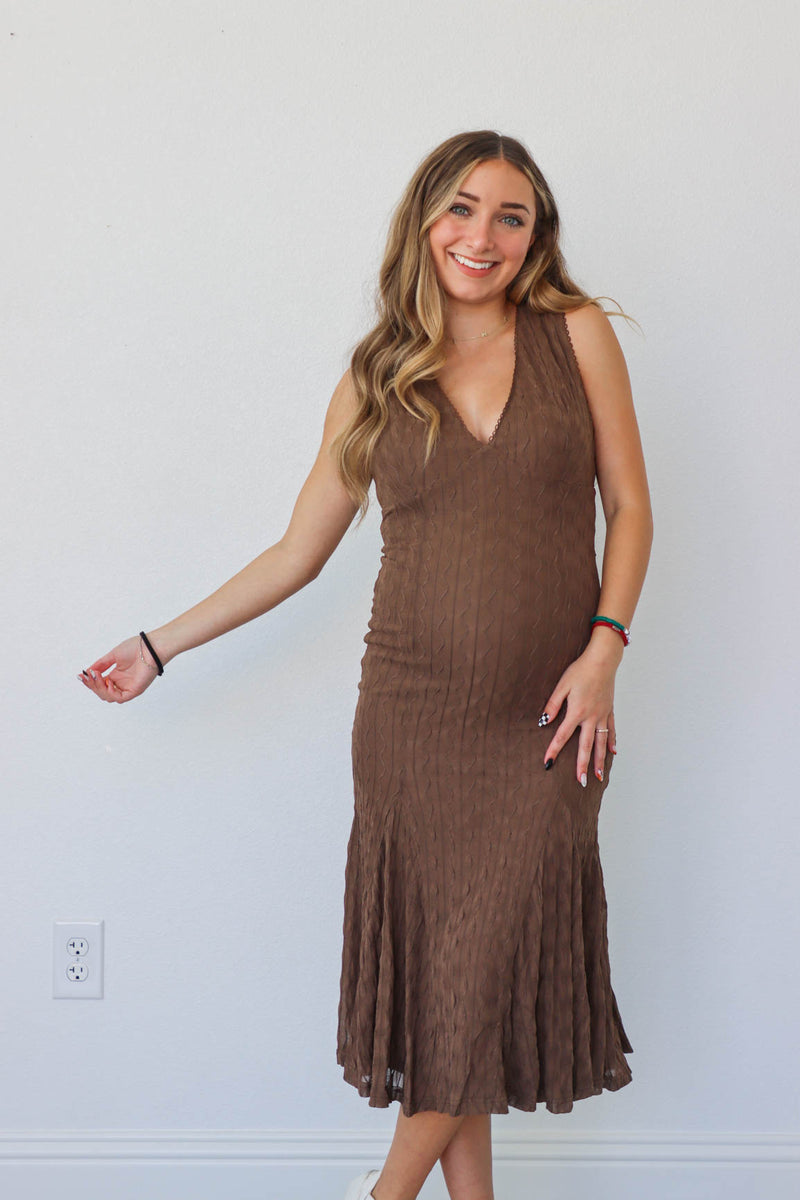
[{"x": 499, "y": 422}]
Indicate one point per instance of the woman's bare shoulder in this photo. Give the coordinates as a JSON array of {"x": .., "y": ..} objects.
[
  {"x": 589, "y": 326},
  {"x": 596, "y": 347},
  {"x": 342, "y": 406},
  {"x": 607, "y": 385}
]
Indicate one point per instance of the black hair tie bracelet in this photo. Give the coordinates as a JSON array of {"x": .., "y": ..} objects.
[{"x": 144, "y": 638}]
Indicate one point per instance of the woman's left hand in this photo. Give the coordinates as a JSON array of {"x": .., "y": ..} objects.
[{"x": 588, "y": 687}]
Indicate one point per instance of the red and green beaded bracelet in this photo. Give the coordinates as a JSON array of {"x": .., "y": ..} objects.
[{"x": 622, "y": 630}]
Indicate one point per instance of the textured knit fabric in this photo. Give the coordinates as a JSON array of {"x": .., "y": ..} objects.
[{"x": 475, "y": 967}]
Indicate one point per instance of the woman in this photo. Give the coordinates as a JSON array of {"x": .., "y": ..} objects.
[{"x": 490, "y": 395}]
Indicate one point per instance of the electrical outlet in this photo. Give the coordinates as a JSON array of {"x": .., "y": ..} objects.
[{"x": 78, "y": 960}]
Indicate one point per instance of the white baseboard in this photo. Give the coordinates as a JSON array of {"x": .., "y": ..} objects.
[{"x": 260, "y": 1164}]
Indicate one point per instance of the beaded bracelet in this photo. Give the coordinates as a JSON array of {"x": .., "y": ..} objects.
[{"x": 622, "y": 630}]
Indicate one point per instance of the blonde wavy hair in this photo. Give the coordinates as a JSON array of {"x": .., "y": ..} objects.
[{"x": 407, "y": 344}]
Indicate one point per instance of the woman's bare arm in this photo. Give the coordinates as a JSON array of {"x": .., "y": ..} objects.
[
  {"x": 322, "y": 513},
  {"x": 621, "y": 473},
  {"x": 588, "y": 683},
  {"x": 321, "y": 516}
]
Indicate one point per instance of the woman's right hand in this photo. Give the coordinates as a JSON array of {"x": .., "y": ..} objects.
[{"x": 130, "y": 676}]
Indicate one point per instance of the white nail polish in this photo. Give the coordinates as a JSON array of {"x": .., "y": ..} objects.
[{"x": 583, "y": 779}]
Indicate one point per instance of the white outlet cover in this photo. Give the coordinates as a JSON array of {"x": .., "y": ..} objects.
[{"x": 78, "y": 960}]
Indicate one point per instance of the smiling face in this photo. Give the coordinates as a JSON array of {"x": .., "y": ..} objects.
[{"x": 480, "y": 243}]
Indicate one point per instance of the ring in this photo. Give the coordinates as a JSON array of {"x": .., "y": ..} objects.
[{"x": 601, "y": 731}]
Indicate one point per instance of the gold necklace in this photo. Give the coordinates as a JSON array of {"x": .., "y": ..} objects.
[{"x": 473, "y": 337}]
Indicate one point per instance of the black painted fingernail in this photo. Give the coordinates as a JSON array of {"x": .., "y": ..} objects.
[
  {"x": 86, "y": 673},
  {"x": 548, "y": 764},
  {"x": 544, "y": 718}
]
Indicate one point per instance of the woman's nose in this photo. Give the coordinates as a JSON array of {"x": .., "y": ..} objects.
[{"x": 479, "y": 237}]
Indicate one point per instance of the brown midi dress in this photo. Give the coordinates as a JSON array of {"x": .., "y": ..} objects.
[{"x": 475, "y": 967}]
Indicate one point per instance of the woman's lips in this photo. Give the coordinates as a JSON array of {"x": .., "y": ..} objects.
[{"x": 473, "y": 272}]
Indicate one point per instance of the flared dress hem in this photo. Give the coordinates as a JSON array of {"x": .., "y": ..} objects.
[{"x": 614, "y": 1079}]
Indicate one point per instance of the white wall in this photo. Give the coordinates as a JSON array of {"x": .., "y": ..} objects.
[{"x": 194, "y": 205}]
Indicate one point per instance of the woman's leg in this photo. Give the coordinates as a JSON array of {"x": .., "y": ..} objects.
[
  {"x": 467, "y": 1160},
  {"x": 417, "y": 1144}
]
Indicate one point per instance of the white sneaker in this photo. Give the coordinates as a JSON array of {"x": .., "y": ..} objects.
[{"x": 361, "y": 1188}]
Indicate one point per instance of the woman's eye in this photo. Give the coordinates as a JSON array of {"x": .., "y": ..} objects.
[{"x": 508, "y": 216}]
